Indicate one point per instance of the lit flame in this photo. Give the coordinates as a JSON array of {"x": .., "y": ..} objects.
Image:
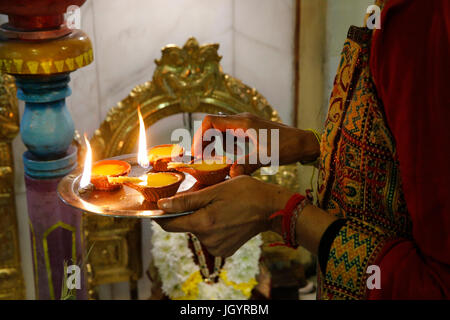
[
  {"x": 86, "y": 177},
  {"x": 142, "y": 148}
]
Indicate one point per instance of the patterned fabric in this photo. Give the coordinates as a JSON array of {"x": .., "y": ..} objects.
[{"x": 358, "y": 174}]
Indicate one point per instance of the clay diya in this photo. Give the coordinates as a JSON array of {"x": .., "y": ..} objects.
[
  {"x": 154, "y": 185},
  {"x": 161, "y": 155},
  {"x": 105, "y": 169},
  {"x": 206, "y": 172}
]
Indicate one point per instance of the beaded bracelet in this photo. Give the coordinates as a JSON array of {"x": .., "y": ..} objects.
[
  {"x": 293, "y": 221},
  {"x": 289, "y": 215}
]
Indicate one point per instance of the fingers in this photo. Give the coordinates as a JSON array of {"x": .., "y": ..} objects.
[
  {"x": 220, "y": 123},
  {"x": 198, "y": 222},
  {"x": 197, "y": 144},
  {"x": 209, "y": 122},
  {"x": 245, "y": 166},
  {"x": 187, "y": 223},
  {"x": 187, "y": 201},
  {"x": 224, "y": 122},
  {"x": 243, "y": 169}
]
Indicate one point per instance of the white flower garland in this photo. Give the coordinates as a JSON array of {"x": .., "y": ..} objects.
[{"x": 175, "y": 263}]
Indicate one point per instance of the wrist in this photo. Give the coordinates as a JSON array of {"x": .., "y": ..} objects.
[
  {"x": 309, "y": 145},
  {"x": 311, "y": 225},
  {"x": 311, "y": 222},
  {"x": 278, "y": 199},
  {"x": 298, "y": 145}
]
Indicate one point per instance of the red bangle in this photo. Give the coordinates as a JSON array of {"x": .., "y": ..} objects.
[{"x": 287, "y": 224}]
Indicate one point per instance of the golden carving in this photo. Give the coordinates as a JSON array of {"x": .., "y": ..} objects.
[
  {"x": 64, "y": 54},
  {"x": 187, "y": 74},
  {"x": 11, "y": 280},
  {"x": 187, "y": 79},
  {"x": 9, "y": 113}
]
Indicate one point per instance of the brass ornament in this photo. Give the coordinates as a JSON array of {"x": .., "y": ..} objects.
[{"x": 11, "y": 279}]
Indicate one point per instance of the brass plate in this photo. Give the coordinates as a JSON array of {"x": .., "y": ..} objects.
[{"x": 123, "y": 203}]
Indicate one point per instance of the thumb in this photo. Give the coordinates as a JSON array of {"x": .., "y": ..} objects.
[
  {"x": 243, "y": 167},
  {"x": 188, "y": 201}
]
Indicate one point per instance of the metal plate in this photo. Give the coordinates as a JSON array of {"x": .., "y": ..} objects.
[{"x": 123, "y": 203}]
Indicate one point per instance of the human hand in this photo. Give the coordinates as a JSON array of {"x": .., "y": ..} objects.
[
  {"x": 293, "y": 144},
  {"x": 227, "y": 214}
]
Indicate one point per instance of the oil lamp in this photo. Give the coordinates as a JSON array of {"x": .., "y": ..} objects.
[
  {"x": 207, "y": 171},
  {"x": 160, "y": 156},
  {"x": 152, "y": 185},
  {"x": 97, "y": 175}
]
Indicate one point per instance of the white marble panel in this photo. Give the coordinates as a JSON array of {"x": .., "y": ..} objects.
[
  {"x": 263, "y": 50},
  {"x": 341, "y": 14},
  {"x": 267, "y": 21},
  {"x": 268, "y": 70},
  {"x": 131, "y": 33},
  {"x": 83, "y": 104},
  {"x": 161, "y": 131},
  {"x": 225, "y": 40}
]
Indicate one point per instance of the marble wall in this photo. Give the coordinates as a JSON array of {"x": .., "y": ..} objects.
[{"x": 256, "y": 42}]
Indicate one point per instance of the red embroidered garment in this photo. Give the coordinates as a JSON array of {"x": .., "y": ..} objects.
[
  {"x": 384, "y": 163},
  {"x": 410, "y": 64}
]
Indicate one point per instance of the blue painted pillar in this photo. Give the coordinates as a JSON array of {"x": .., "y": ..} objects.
[
  {"x": 40, "y": 49},
  {"x": 47, "y": 130}
]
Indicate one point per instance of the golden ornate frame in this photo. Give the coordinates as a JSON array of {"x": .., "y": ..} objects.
[
  {"x": 11, "y": 279},
  {"x": 187, "y": 79}
]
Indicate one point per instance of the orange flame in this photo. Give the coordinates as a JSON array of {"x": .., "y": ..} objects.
[
  {"x": 86, "y": 177},
  {"x": 142, "y": 148}
]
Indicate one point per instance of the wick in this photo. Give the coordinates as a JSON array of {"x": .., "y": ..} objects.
[{"x": 85, "y": 189}]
